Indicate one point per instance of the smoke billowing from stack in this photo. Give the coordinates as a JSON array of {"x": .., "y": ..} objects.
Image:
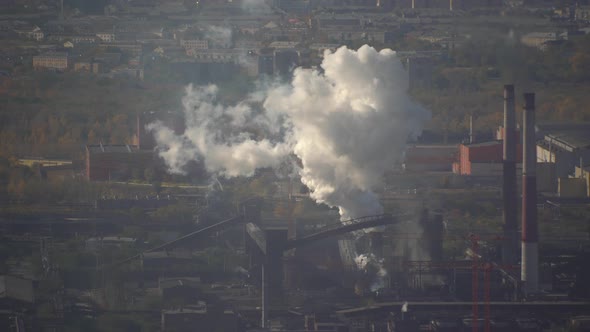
[
  {"x": 347, "y": 124},
  {"x": 530, "y": 236},
  {"x": 510, "y": 245}
]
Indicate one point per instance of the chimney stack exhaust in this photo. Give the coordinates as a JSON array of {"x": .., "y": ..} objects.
[
  {"x": 530, "y": 235},
  {"x": 510, "y": 214}
]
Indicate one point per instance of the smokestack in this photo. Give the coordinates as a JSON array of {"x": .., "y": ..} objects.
[
  {"x": 510, "y": 243},
  {"x": 413, "y": 4},
  {"x": 530, "y": 251},
  {"x": 451, "y": 5}
]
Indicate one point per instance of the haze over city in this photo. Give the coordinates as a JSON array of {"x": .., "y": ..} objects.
[{"x": 295, "y": 165}]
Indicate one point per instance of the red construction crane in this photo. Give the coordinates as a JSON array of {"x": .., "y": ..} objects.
[
  {"x": 477, "y": 264},
  {"x": 487, "y": 268}
]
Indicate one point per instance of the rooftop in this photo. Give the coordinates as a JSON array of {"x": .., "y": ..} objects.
[
  {"x": 489, "y": 143},
  {"x": 53, "y": 55},
  {"x": 16, "y": 289},
  {"x": 568, "y": 136},
  {"x": 101, "y": 148}
]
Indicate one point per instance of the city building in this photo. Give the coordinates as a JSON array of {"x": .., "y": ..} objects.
[
  {"x": 74, "y": 38},
  {"x": 133, "y": 48},
  {"x": 221, "y": 55},
  {"x": 30, "y": 32},
  {"x": 52, "y": 60},
  {"x": 195, "y": 44},
  {"x": 107, "y": 37},
  {"x": 540, "y": 40}
]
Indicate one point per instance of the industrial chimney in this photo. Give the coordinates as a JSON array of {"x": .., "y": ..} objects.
[
  {"x": 530, "y": 251},
  {"x": 510, "y": 242}
]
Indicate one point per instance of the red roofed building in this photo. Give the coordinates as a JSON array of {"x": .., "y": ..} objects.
[{"x": 482, "y": 159}]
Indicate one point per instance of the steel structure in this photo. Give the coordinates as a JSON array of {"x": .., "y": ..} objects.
[{"x": 341, "y": 228}]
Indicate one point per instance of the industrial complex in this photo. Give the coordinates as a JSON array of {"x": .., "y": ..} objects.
[{"x": 294, "y": 165}]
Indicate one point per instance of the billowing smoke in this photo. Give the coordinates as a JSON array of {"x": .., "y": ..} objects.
[
  {"x": 223, "y": 137},
  {"x": 373, "y": 267},
  {"x": 347, "y": 125}
]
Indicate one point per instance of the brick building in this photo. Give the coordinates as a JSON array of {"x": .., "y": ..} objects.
[
  {"x": 55, "y": 60},
  {"x": 482, "y": 159}
]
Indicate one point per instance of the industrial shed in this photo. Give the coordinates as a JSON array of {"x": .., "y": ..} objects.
[
  {"x": 115, "y": 162},
  {"x": 482, "y": 159}
]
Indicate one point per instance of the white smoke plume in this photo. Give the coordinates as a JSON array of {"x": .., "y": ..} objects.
[
  {"x": 371, "y": 265},
  {"x": 222, "y": 137},
  {"x": 347, "y": 125},
  {"x": 350, "y": 125}
]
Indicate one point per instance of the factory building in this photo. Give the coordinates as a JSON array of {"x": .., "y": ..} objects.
[
  {"x": 565, "y": 145},
  {"x": 564, "y": 149},
  {"x": 482, "y": 159},
  {"x": 584, "y": 174},
  {"x": 430, "y": 158},
  {"x": 115, "y": 162}
]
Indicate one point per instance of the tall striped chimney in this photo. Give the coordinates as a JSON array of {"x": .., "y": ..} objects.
[
  {"x": 510, "y": 214},
  {"x": 530, "y": 234}
]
